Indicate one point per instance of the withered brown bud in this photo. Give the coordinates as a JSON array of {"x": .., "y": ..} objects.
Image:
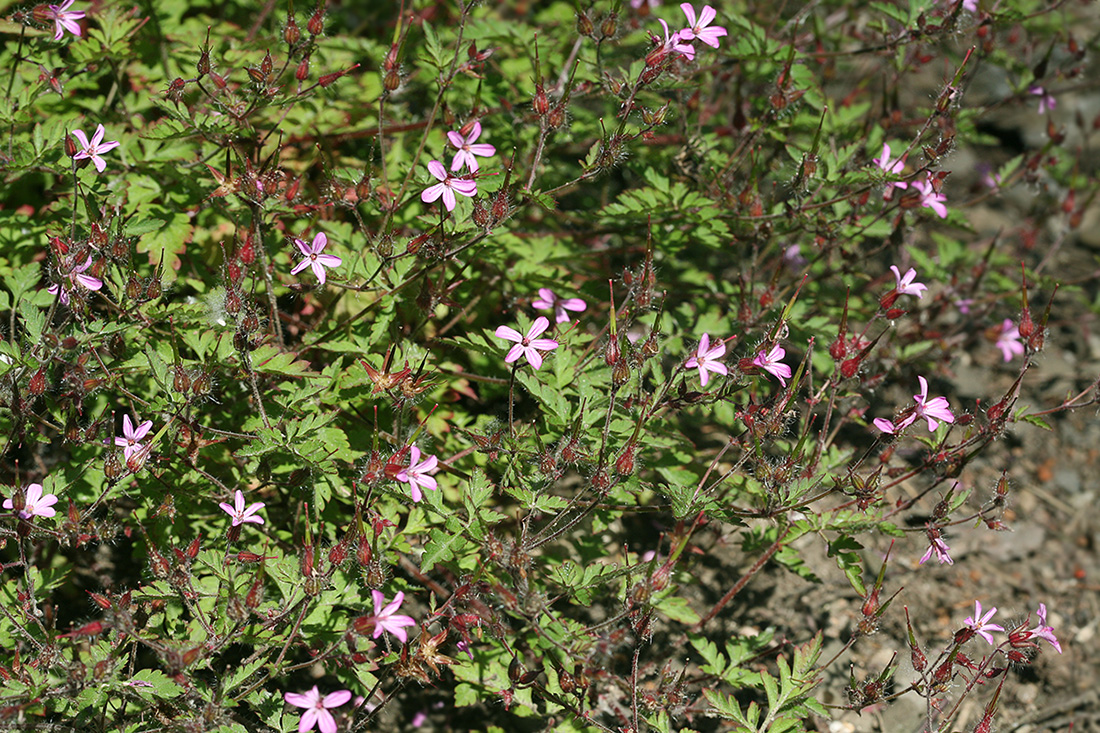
[
  {"x": 584, "y": 25},
  {"x": 610, "y": 26},
  {"x": 620, "y": 373}
]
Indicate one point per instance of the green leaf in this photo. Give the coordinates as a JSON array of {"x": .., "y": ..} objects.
[{"x": 163, "y": 237}]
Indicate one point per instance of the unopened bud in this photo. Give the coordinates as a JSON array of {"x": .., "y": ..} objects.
[
  {"x": 38, "y": 382},
  {"x": 838, "y": 349},
  {"x": 849, "y": 368},
  {"x": 302, "y": 72},
  {"x": 556, "y": 118},
  {"x": 392, "y": 80},
  {"x": 584, "y": 25},
  {"x": 624, "y": 465},
  {"x": 316, "y": 24},
  {"x": 541, "y": 103},
  {"x": 610, "y": 26},
  {"x": 620, "y": 373},
  {"x": 291, "y": 33}
]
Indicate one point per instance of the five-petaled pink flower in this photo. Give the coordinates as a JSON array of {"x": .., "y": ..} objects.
[
  {"x": 1042, "y": 631},
  {"x": 770, "y": 363},
  {"x": 317, "y": 708},
  {"x": 673, "y": 42},
  {"x": 939, "y": 548},
  {"x": 980, "y": 625},
  {"x": 239, "y": 513},
  {"x": 547, "y": 299},
  {"x": 131, "y": 436},
  {"x": 930, "y": 199},
  {"x": 447, "y": 187},
  {"x": 94, "y": 148},
  {"x": 76, "y": 275},
  {"x": 1046, "y": 101},
  {"x": 416, "y": 475},
  {"x": 467, "y": 148},
  {"x": 891, "y": 167},
  {"x": 698, "y": 28},
  {"x": 529, "y": 345},
  {"x": 905, "y": 284},
  {"x": 1008, "y": 340},
  {"x": 64, "y": 19},
  {"x": 314, "y": 257},
  {"x": 931, "y": 410},
  {"x": 387, "y": 619},
  {"x": 35, "y": 503},
  {"x": 706, "y": 359}
]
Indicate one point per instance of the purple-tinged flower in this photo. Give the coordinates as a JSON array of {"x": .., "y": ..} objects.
[
  {"x": 94, "y": 148},
  {"x": 467, "y": 148},
  {"x": 131, "y": 437},
  {"x": 637, "y": 4},
  {"x": 317, "y": 708},
  {"x": 416, "y": 475},
  {"x": 891, "y": 167},
  {"x": 980, "y": 625},
  {"x": 64, "y": 19},
  {"x": 963, "y": 304},
  {"x": 239, "y": 513},
  {"x": 447, "y": 187},
  {"x": 706, "y": 359},
  {"x": 932, "y": 410},
  {"x": 387, "y": 619},
  {"x": 77, "y": 276},
  {"x": 547, "y": 300},
  {"x": 529, "y": 345},
  {"x": 929, "y": 198},
  {"x": 698, "y": 28},
  {"x": 35, "y": 503},
  {"x": 1042, "y": 631},
  {"x": 771, "y": 363},
  {"x": 314, "y": 257},
  {"x": 1046, "y": 101},
  {"x": 905, "y": 284},
  {"x": 1008, "y": 340},
  {"x": 674, "y": 43},
  {"x": 940, "y": 549}
]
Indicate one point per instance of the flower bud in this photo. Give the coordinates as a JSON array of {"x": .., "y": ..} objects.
[
  {"x": 541, "y": 103},
  {"x": 291, "y": 33},
  {"x": 624, "y": 465},
  {"x": 556, "y": 118},
  {"x": 849, "y": 368},
  {"x": 610, "y": 25},
  {"x": 620, "y": 373},
  {"x": 38, "y": 382},
  {"x": 302, "y": 72},
  {"x": 391, "y": 81},
  {"x": 316, "y": 24}
]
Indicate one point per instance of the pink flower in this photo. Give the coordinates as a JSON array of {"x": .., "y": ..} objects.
[
  {"x": 1046, "y": 101},
  {"x": 980, "y": 625},
  {"x": 931, "y": 410},
  {"x": 317, "y": 708},
  {"x": 314, "y": 259},
  {"x": 771, "y": 364},
  {"x": 938, "y": 547},
  {"x": 35, "y": 503},
  {"x": 891, "y": 167},
  {"x": 706, "y": 359},
  {"x": 239, "y": 513},
  {"x": 94, "y": 148},
  {"x": 64, "y": 19},
  {"x": 930, "y": 199},
  {"x": 467, "y": 149},
  {"x": 1008, "y": 341},
  {"x": 1042, "y": 631},
  {"x": 129, "y": 443},
  {"x": 636, "y": 4},
  {"x": 76, "y": 276},
  {"x": 547, "y": 300},
  {"x": 387, "y": 619},
  {"x": 447, "y": 187},
  {"x": 529, "y": 345},
  {"x": 673, "y": 43},
  {"x": 698, "y": 29},
  {"x": 416, "y": 475},
  {"x": 905, "y": 284}
]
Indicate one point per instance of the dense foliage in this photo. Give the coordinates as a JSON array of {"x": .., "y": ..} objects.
[{"x": 460, "y": 366}]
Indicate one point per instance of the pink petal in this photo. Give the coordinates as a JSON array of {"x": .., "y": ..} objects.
[
  {"x": 475, "y": 133},
  {"x": 81, "y": 138},
  {"x": 336, "y": 699},
  {"x": 319, "y": 243},
  {"x": 483, "y": 149},
  {"x": 690, "y": 13},
  {"x": 97, "y": 138},
  {"x": 430, "y": 194},
  {"x": 506, "y": 332},
  {"x": 99, "y": 163},
  {"x": 456, "y": 139},
  {"x": 534, "y": 358},
  {"x": 330, "y": 260},
  {"x": 300, "y": 266},
  {"x": 543, "y": 344},
  {"x": 541, "y": 324},
  {"x": 464, "y": 186},
  {"x": 437, "y": 170},
  {"x": 448, "y": 198},
  {"x": 514, "y": 353},
  {"x": 319, "y": 271},
  {"x": 706, "y": 16},
  {"x": 309, "y": 719},
  {"x": 325, "y": 722}
]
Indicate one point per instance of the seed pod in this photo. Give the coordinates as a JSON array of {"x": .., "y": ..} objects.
[
  {"x": 541, "y": 103},
  {"x": 291, "y": 33}
]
